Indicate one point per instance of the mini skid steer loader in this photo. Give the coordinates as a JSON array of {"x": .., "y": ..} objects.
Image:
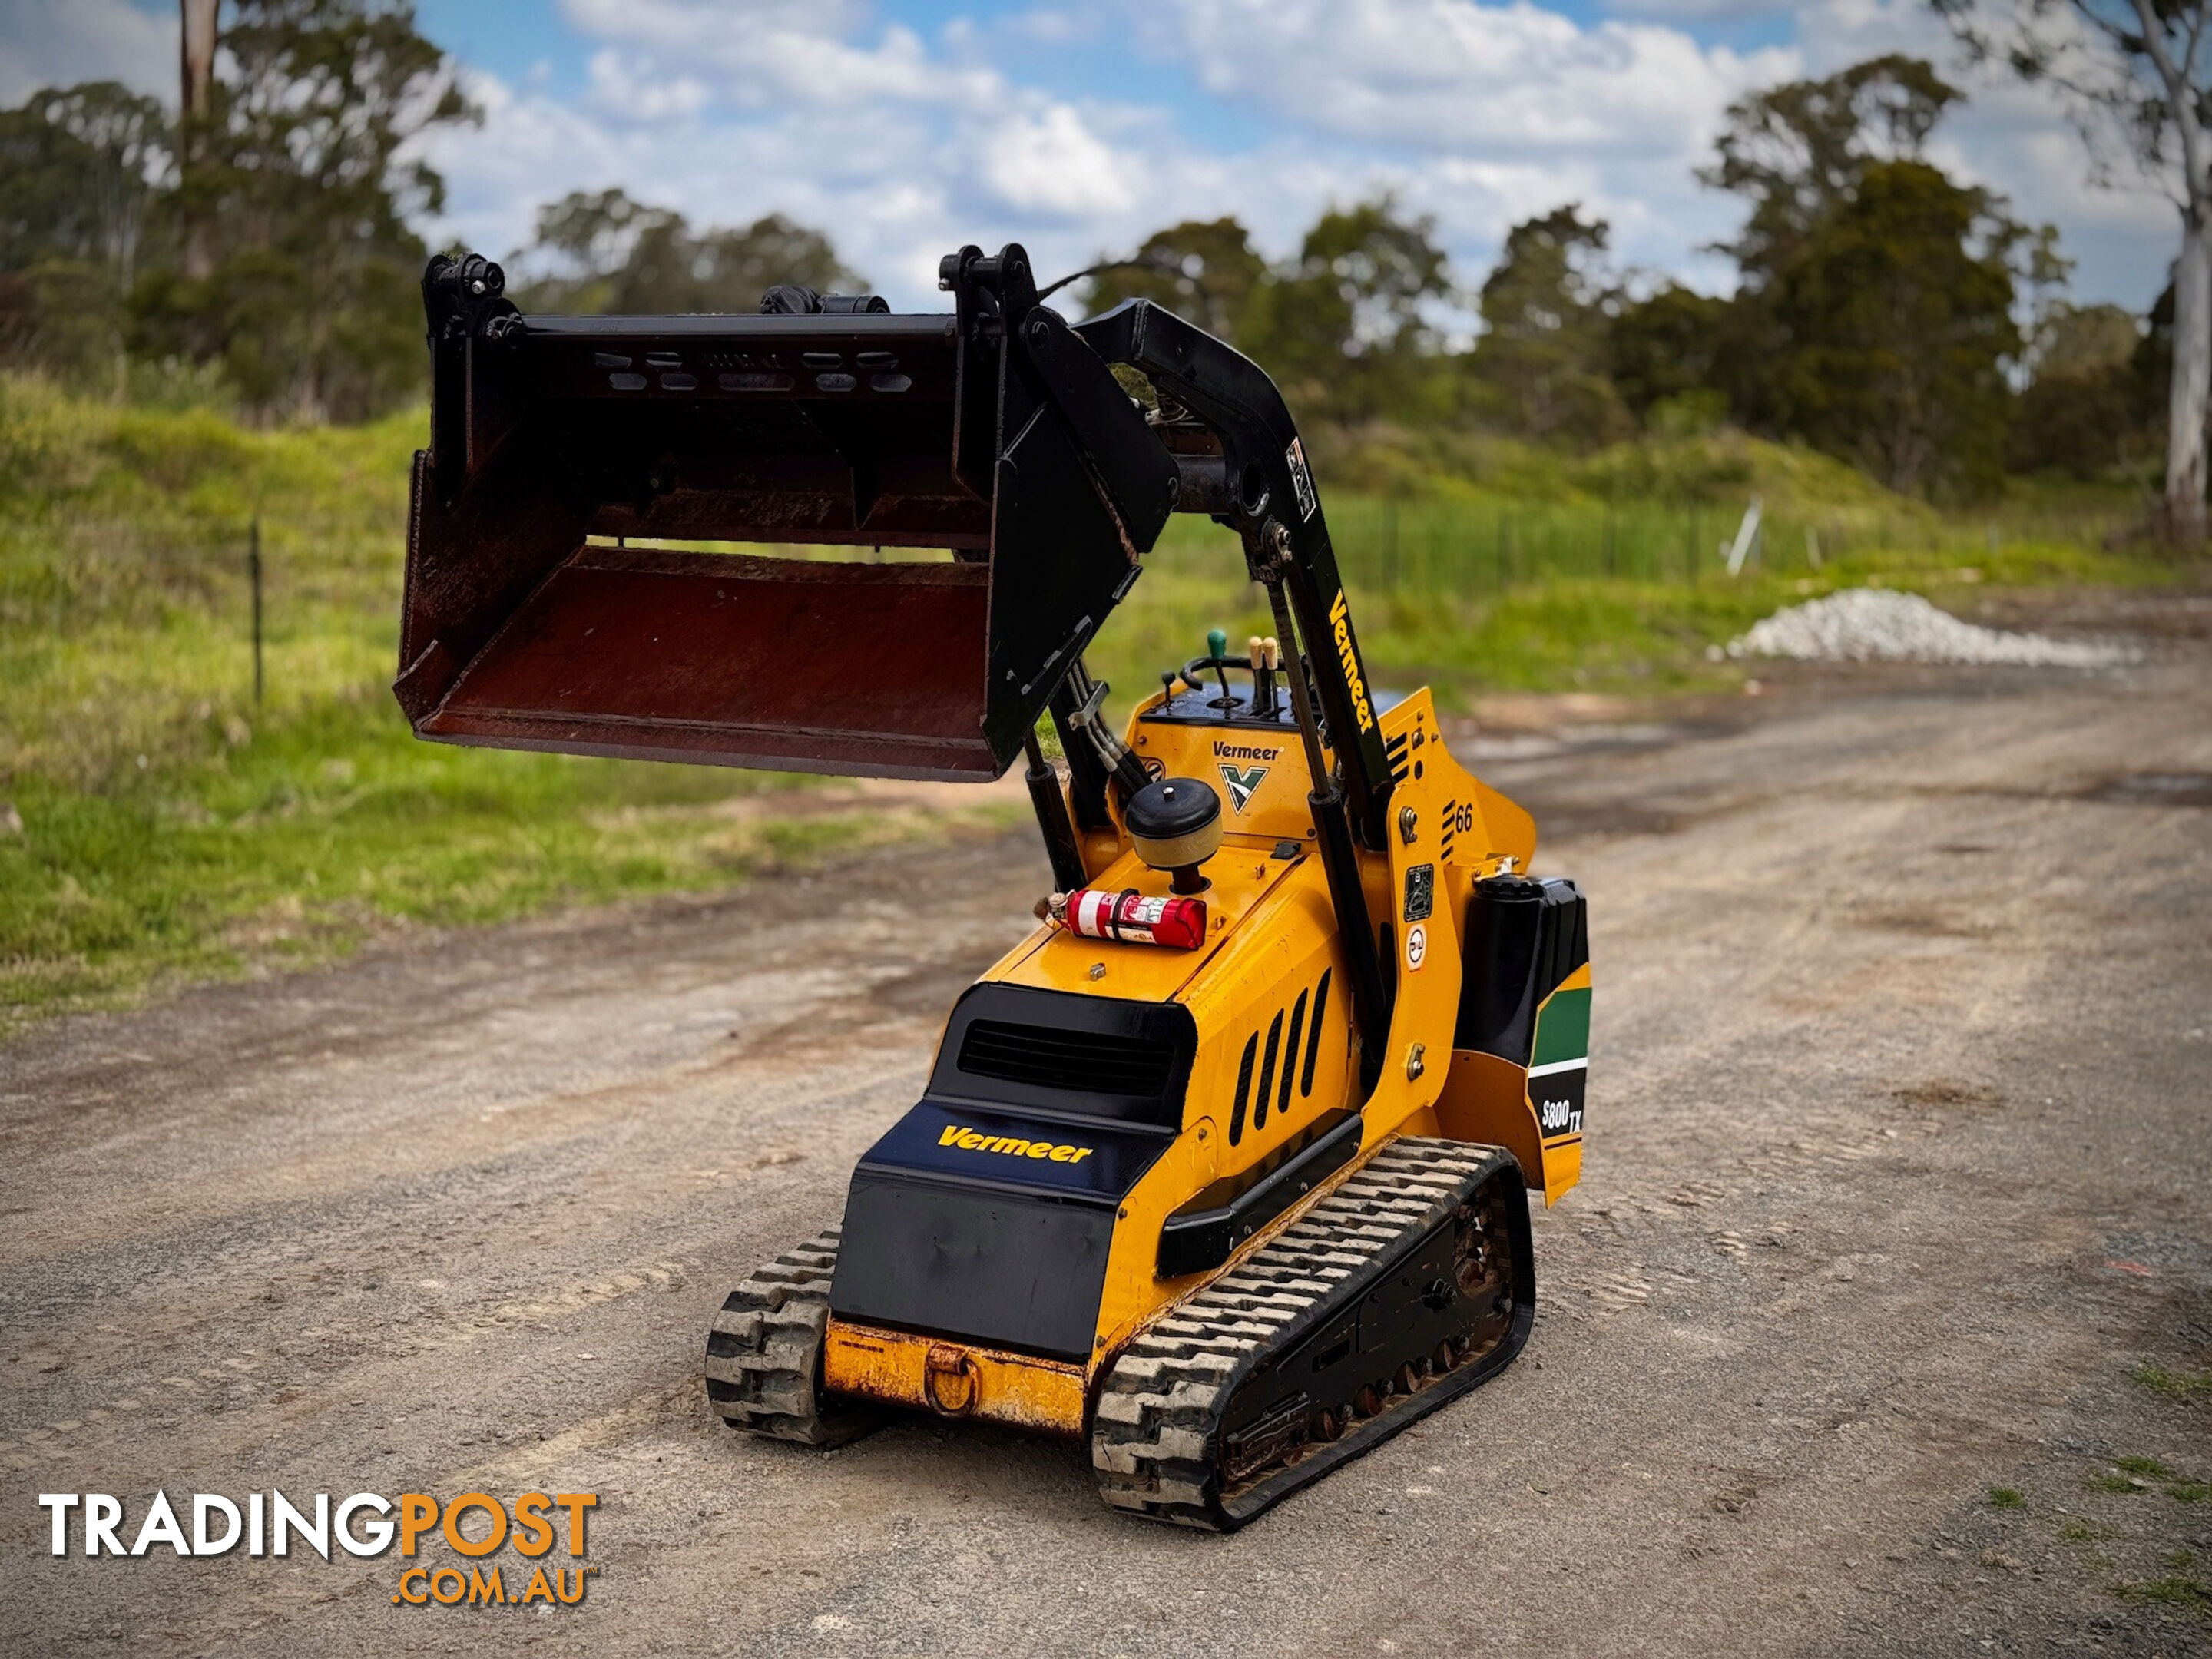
[{"x": 1224, "y": 1168}]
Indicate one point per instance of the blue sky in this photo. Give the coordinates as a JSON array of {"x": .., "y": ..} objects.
[{"x": 905, "y": 128}]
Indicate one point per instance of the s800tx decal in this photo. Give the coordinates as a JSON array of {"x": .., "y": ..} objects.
[{"x": 1556, "y": 1092}]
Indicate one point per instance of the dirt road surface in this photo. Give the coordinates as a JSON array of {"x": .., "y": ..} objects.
[{"x": 1875, "y": 1328}]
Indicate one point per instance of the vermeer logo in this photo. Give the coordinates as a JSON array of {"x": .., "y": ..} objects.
[
  {"x": 974, "y": 1141},
  {"x": 1340, "y": 616},
  {"x": 1242, "y": 784}
]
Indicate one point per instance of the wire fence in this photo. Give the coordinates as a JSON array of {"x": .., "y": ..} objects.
[
  {"x": 1391, "y": 546},
  {"x": 260, "y": 575},
  {"x": 59, "y": 578}
]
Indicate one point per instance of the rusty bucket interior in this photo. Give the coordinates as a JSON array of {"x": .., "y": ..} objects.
[{"x": 559, "y": 596}]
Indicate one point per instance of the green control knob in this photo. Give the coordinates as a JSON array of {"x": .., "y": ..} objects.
[{"x": 1216, "y": 643}]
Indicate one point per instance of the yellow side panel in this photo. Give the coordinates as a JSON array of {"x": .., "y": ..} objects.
[
  {"x": 1132, "y": 1294},
  {"x": 1266, "y": 769},
  {"x": 1258, "y": 1008},
  {"x": 1054, "y": 959},
  {"x": 1445, "y": 805},
  {"x": 1485, "y": 1099}
]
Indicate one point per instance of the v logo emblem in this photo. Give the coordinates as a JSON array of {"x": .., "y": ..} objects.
[{"x": 1241, "y": 784}]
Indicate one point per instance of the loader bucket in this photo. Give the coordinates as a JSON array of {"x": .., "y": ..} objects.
[{"x": 551, "y": 603}]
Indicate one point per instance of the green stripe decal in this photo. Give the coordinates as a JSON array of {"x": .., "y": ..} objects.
[{"x": 1562, "y": 1028}]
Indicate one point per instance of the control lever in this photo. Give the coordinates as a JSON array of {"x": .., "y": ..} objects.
[{"x": 1090, "y": 700}]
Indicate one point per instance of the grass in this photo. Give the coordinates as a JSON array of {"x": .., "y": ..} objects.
[
  {"x": 2174, "y": 1385},
  {"x": 2006, "y": 1497},
  {"x": 334, "y": 824},
  {"x": 1562, "y": 631},
  {"x": 2181, "y": 1591},
  {"x": 173, "y": 828},
  {"x": 2137, "y": 1474}
]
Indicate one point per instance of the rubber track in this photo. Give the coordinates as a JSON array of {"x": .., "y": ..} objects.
[
  {"x": 764, "y": 1353},
  {"x": 1154, "y": 1436}
]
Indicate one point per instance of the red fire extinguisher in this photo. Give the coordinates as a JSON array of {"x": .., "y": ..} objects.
[{"x": 1130, "y": 918}]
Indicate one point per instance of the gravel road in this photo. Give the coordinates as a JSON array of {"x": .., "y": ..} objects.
[{"x": 1870, "y": 1330}]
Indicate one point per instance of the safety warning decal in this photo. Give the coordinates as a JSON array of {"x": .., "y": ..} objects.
[
  {"x": 1420, "y": 892},
  {"x": 1301, "y": 480}
]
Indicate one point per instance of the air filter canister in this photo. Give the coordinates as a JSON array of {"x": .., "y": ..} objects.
[{"x": 1130, "y": 918}]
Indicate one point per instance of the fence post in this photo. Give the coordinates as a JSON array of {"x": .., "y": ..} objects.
[{"x": 254, "y": 570}]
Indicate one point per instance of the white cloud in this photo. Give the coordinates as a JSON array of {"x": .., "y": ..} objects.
[
  {"x": 767, "y": 54},
  {"x": 625, "y": 91},
  {"x": 1454, "y": 77},
  {"x": 58, "y": 43},
  {"x": 1700, "y": 11},
  {"x": 1049, "y": 161},
  {"x": 903, "y": 146}
]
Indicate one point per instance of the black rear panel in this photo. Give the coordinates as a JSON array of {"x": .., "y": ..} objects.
[
  {"x": 988, "y": 1225},
  {"x": 1524, "y": 935},
  {"x": 986, "y": 1212},
  {"x": 1020, "y": 1272}
]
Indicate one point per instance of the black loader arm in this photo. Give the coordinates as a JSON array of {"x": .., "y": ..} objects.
[
  {"x": 567, "y": 586},
  {"x": 1262, "y": 487}
]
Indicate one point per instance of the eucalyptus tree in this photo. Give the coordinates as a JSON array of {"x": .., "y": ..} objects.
[{"x": 2137, "y": 75}]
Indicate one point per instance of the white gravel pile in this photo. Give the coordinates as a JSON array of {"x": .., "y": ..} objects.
[{"x": 1873, "y": 624}]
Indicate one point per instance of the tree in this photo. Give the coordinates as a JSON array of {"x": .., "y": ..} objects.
[
  {"x": 1548, "y": 308},
  {"x": 2087, "y": 408},
  {"x": 1875, "y": 314},
  {"x": 604, "y": 253},
  {"x": 2073, "y": 340},
  {"x": 1898, "y": 313},
  {"x": 1672, "y": 344},
  {"x": 1204, "y": 270},
  {"x": 2138, "y": 73},
  {"x": 194, "y": 80},
  {"x": 1343, "y": 329},
  {"x": 78, "y": 172},
  {"x": 1796, "y": 152},
  {"x": 302, "y": 158}
]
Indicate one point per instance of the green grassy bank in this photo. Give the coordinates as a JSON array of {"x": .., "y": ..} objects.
[{"x": 164, "y": 824}]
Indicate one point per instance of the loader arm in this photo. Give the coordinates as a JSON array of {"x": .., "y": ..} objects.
[
  {"x": 1262, "y": 486},
  {"x": 1000, "y": 432}
]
